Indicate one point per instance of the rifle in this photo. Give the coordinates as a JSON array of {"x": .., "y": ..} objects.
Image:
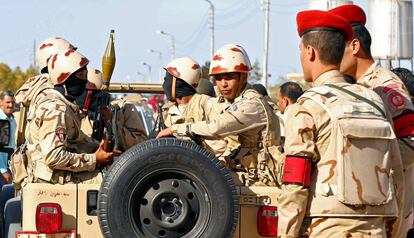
[
  {"x": 159, "y": 123},
  {"x": 112, "y": 129},
  {"x": 98, "y": 130}
]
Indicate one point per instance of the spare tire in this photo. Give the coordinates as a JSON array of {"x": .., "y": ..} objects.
[{"x": 168, "y": 188}]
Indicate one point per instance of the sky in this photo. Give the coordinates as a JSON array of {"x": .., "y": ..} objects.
[{"x": 86, "y": 24}]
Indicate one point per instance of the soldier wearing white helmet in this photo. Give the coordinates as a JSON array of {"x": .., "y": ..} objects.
[
  {"x": 32, "y": 88},
  {"x": 238, "y": 114},
  {"x": 185, "y": 104},
  {"x": 58, "y": 151},
  {"x": 130, "y": 128},
  {"x": 49, "y": 47}
]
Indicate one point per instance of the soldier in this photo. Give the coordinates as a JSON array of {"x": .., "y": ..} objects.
[
  {"x": 130, "y": 128},
  {"x": 247, "y": 116},
  {"x": 32, "y": 88},
  {"x": 358, "y": 63},
  {"x": 57, "y": 150},
  {"x": 330, "y": 187},
  {"x": 185, "y": 104}
]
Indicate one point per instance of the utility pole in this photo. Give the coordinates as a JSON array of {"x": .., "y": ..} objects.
[
  {"x": 266, "y": 9},
  {"x": 172, "y": 40},
  {"x": 211, "y": 26},
  {"x": 34, "y": 55},
  {"x": 149, "y": 70},
  {"x": 160, "y": 59}
]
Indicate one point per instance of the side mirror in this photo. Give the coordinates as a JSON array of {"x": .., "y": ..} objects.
[{"x": 4, "y": 132}]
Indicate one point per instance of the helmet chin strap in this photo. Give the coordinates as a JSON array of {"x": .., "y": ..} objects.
[
  {"x": 174, "y": 82},
  {"x": 67, "y": 95},
  {"x": 241, "y": 87}
]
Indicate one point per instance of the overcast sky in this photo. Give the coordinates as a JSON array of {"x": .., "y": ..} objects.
[{"x": 86, "y": 24}]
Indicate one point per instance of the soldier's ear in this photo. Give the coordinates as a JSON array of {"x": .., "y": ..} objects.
[
  {"x": 355, "y": 46},
  {"x": 311, "y": 53}
]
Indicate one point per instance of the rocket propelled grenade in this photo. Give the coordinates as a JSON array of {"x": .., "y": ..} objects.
[{"x": 108, "y": 61}]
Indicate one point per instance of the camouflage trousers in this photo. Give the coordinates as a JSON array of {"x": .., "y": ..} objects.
[
  {"x": 407, "y": 219},
  {"x": 358, "y": 227}
]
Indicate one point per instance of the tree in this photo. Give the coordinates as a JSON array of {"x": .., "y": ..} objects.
[
  {"x": 13, "y": 79},
  {"x": 205, "y": 69},
  {"x": 255, "y": 74}
]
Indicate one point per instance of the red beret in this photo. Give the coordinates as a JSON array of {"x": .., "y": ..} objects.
[
  {"x": 352, "y": 13},
  {"x": 321, "y": 20}
]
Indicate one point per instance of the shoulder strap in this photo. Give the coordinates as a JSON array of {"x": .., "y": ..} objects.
[{"x": 358, "y": 97}]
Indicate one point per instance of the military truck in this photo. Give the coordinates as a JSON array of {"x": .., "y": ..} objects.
[{"x": 159, "y": 188}]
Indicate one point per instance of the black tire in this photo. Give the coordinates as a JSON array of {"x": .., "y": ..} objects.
[{"x": 168, "y": 188}]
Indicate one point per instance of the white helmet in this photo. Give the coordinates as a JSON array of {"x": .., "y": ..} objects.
[
  {"x": 64, "y": 63},
  {"x": 230, "y": 58},
  {"x": 94, "y": 79},
  {"x": 186, "y": 69},
  {"x": 49, "y": 47}
]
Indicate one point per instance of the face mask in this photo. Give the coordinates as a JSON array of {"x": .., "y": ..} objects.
[
  {"x": 167, "y": 86},
  {"x": 181, "y": 88},
  {"x": 75, "y": 86}
]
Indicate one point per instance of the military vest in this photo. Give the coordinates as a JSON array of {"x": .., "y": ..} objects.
[{"x": 354, "y": 176}]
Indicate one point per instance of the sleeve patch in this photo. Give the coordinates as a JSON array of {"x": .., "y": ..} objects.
[{"x": 395, "y": 100}]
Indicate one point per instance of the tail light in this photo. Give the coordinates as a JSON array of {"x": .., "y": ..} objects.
[
  {"x": 267, "y": 218},
  {"x": 48, "y": 218}
]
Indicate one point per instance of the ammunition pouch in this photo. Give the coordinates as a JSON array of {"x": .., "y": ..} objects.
[{"x": 18, "y": 165}]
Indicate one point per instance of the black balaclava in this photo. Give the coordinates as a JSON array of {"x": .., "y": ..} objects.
[
  {"x": 74, "y": 88},
  {"x": 182, "y": 88}
]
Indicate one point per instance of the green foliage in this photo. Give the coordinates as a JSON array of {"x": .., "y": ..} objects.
[
  {"x": 13, "y": 79},
  {"x": 205, "y": 68},
  {"x": 255, "y": 75}
]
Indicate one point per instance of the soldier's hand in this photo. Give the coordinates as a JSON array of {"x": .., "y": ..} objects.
[
  {"x": 7, "y": 178},
  {"x": 103, "y": 157},
  {"x": 164, "y": 133}
]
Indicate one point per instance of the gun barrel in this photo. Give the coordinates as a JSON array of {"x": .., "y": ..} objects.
[{"x": 136, "y": 88}]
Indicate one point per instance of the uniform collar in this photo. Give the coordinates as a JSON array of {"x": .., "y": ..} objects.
[
  {"x": 238, "y": 98},
  {"x": 366, "y": 77},
  {"x": 288, "y": 108},
  {"x": 332, "y": 76}
]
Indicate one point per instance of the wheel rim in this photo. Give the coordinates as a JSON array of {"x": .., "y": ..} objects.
[{"x": 170, "y": 203}]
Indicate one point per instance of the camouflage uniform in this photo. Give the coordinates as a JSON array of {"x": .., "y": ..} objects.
[
  {"x": 58, "y": 151},
  {"x": 248, "y": 118},
  {"x": 201, "y": 108},
  {"x": 30, "y": 91},
  {"x": 195, "y": 110},
  {"x": 227, "y": 146},
  {"x": 395, "y": 96},
  {"x": 317, "y": 211}
]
